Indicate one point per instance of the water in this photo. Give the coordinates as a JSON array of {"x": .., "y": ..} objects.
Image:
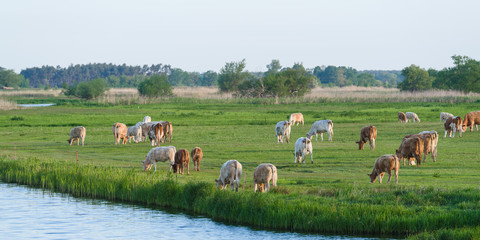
[
  {"x": 28, "y": 213},
  {"x": 36, "y": 105}
]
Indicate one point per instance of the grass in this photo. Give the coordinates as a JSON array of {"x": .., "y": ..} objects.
[{"x": 331, "y": 196}]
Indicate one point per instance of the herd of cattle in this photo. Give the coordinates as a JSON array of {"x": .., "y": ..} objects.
[{"x": 412, "y": 146}]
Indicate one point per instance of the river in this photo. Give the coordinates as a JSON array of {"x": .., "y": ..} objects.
[{"x": 30, "y": 213}]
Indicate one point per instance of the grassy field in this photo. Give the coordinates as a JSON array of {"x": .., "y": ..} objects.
[{"x": 244, "y": 130}]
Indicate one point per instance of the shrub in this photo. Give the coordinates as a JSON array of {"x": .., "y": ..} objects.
[{"x": 156, "y": 86}]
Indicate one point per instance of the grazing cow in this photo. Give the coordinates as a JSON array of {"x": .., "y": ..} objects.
[
  {"x": 282, "y": 131},
  {"x": 264, "y": 173},
  {"x": 412, "y": 116},
  {"x": 167, "y": 131},
  {"x": 410, "y": 148},
  {"x": 444, "y": 116},
  {"x": 452, "y": 125},
  {"x": 429, "y": 143},
  {"x": 182, "y": 157},
  {"x": 367, "y": 133},
  {"x": 321, "y": 126},
  {"x": 77, "y": 133},
  {"x": 303, "y": 146},
  {"x": 147, "y": 119},
  {"x": 197, "y": 155},
  {"x": 434, "y": 144},
  {"x": 155, "y": 134},
  {"x": 159, "y": 154},
  {"x": 231, "y": 173},
  {"x": 119, "y": 132},
  {"x": 402, "y": 118},
  {"x": 296, "y": 118},
  {"x": 471, "y": 118},
  {"x": 385, "y": 163},
  {"x": 134, "y": 132}
]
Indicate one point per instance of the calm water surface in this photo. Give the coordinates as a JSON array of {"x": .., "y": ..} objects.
[{"x": 28, "y": 213}]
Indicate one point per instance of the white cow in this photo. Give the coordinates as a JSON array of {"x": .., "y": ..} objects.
[
  {"x": 159, "y": 154},
  {"x": 231, "y": 173},
  {"x": 147, "y": 119},
  {"x": 282, "y": 131},
  {"x": 444, "y": 116},
  {"x": 412, "y": 116},
  {"x": 433, "y": 149},
  {"x": 264, "y": 173},
  {"x": 77, "y": 133},
  {"x": 134, "y": 132},
  {"x": 303, "y": 146},
  {"x": 321, "y": 126}
]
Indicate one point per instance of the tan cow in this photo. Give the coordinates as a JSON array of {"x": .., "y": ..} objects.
[
  {"x": 120, "y": 132},
  {"x": 402, "y": 118},
  {"x": 167, "y": 131},
  {"x": 296, "y": 118},
  {"x": 434, "y": 144},
  {"x": 429, "y": 143},
  {"x": 159, "y": 154},
  {"x": 77, "y": 133},
  {"x": 231, "y": 173},
  {"x": 182, "y": 157},
  {"x": 367, "y": 133},
  {"x": 412, "y": 116},
  {"x": 452, "y": 125},
  {"x": 411, "y": 148},
  {"x": 197, "y": 155},
  {"x": 264, "y": 173},
  {"x": 155, "y": 134},
  {"x": 471, "y": 118},
  {"x": 385, "y": 163}
]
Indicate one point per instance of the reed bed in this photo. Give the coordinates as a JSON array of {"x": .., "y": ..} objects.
[
  {"x": 400, "y": 211},
  {"x": 31, "y": 93},
  {"x": 7, "y": 105}
]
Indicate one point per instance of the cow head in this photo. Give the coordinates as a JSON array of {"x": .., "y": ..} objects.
[
  {"x": 464, "y": 127},
  {"x": 360, "y": 145},
  {"x": 219, "y": 183},
  {"x": 69, "y": 141},
  {"x": 373, "y": 176},
  {"x": 309, "y": 136},
  {"x": 398, "y": 154}
]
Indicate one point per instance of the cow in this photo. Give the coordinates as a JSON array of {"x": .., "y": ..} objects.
[
  {"x": 77, "y": 133},
  {"x": 182, "y": 157},
  {"x": 264, "y": 173},
  {"x": 410, "y": 148},
  {"x": 119, "y": 132},
  {"x": 412, "y": 116},
  {"x": 321, "y": 126},
  {"x": 303, "y": 146},
  {"x": 147, "y": 119},
  {"x": 367, "y": 133},
  {"x": 444, "y": 116},
  {"x": 434, "y": 144},
  {"x": 282, "y": 131},
  {"x": 402, "y": 118},
  {"x": 167, "y": 131},
  {"x": 134, "y": 132},
  {"x": 471, "y": 118},
  {"x": 296, "y": 118},
  {"x": 429, "y": 143},
  {"x": 231, "y": 173},
  {"x": 385, "y": 163},
  {"x": 159, "y": 154},
  {"x": 452, "y": 125},
  {"x": 155, "y": 134},
  {"x": 197, "y": 155}
]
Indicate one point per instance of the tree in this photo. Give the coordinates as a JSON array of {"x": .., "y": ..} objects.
[
  {"x": 416, "y": 79},
  {"x": 156, "y": 86},
  {"x": 232, "y": 75},
  {"x": 91, "y": 89},
  {"x": 274, "y": 67},
  {"x": 464, "y": 76},
  {"x": 9, "y": 78}
]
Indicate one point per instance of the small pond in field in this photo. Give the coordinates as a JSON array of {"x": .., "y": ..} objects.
[{"x": 36, "y": 105}]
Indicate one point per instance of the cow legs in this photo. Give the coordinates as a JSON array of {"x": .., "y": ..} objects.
[
  {"x": 268, "y": 186},
  {"x": 254, "y": 186},
  {"x": 321, "y": 136},
  {"x": 389, "y": 176},
  {"x": 419, "y": 159},
  {"x": 380, "y": 176},
  {"x": 188, "y": 168},
  {"x": 155, "y": 165}
]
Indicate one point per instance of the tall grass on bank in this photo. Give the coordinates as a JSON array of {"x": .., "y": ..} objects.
[
  {"x": 395, "y": 210},
  {"x": 7, "y": 105}
]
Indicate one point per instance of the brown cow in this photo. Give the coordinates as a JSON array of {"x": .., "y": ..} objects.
[
  {"x": 452, "y": 125},
  {"x": 402, "y": 117},
  {"x": 182, "y": 157},
  {"x": 264, "y": 173},
  {"x": 197, "y": 156},
  {"x": 367, "y": 133},
  {"x": 411, "y": 148},
  {"x": 472, "y": 118},
  {"x": 155, "y": 134},
  {"x": 429, "y": 144},
  {"x": 167, "y": 131},
  {"x": 385, "y": 163},
  {"x": 120, "y": 132}
]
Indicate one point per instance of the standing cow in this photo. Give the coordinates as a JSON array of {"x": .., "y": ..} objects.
[
  {"x": 182, "y": 158},
  {"x": 77, "y": 134},
  {"x": 134, "y": 132},
  {"x": 385, "y": 163},
  {"x": 264, "y": 173},
  {"x": 155, "y": 134},
  {"x": 367, "y": 133},
  {"x": 120, "y": 132},
  {"x": 444, "y": 116},
  {"x": 231, "y": 173},
  {"x": 410, "y": 148},
  {"x": 197, "y": 155},
  {"x": 434, "y": 144},
  {"x": 282, "y": 131},
  {"x": 429, "y": 143},
  {"x": 147, "y": 119},
  {"x": 303, "y": 146},
  {"x": 296, "y": 118},
  {"x": 452, "y": 125},
  {"x": 159, "y": 154},
  {"x": 402, "y": 118},
  {"x": 471, "y": 119},
  {"x": 321, "y": 126},
  {"x": 412, "y": 116}
]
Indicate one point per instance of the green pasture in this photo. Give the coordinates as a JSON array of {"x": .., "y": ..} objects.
[{"x": 447, "y": 188}]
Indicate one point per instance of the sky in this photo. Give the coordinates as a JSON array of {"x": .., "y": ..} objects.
[{"x": 203, "y": 35}]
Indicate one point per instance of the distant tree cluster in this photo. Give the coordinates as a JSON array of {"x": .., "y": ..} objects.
[
  {"x": 156, "y": 86},
  {"x": 86, "y": 90},
  {"x": 348, "y": 76},
  {"x": 8, "y": 78}
]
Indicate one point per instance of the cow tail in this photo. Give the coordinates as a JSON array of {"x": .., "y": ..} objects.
[
  {"x": 116, "y": 132},
  {"x": 330, "y": 125}
]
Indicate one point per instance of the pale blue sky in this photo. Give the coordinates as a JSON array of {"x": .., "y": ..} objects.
[{"x": 204, "y": 35}]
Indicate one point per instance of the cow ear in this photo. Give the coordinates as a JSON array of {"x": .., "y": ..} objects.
[{"x": 304, "y": 140}]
